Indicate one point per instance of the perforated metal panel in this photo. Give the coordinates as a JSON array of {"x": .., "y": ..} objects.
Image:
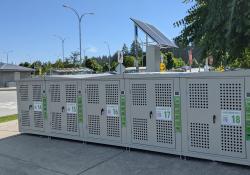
[
  {"x": 231, "y": 139},
  {"x": 140, "y": 129},
  {"x": 94, "y": 125},
  {"x": 163, "y": 94},
  {"x": 55, "y": 91},
  {"x": 38, "y": 119},
  {"x": 139, "y": 94},
  {"x": 113, "y": 126},
  {"x": 37, "y": 92},
  {"x": 24, "y": 92},
  {"x": 200, "y": 135},
  {"x": 112, "y": 93},
  {"x": 93, "y": 93},
  {"x": 72, "y": 124},
  {"x": 164, "y": 131},
  {"x": 56, "y": 121},
  {"x": 231, "y": 96},
  {"x": 71, "y": 92},
  {"x": 198, "y": 95},
  {"x": 25, "y": 118}
]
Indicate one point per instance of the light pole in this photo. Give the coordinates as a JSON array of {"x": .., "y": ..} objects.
[
  {"x": 7, "y": 55},
  {"x": 79, "y": 17},
  {"x": 107, "y": 44},
  {"x": 62, "y": 40}
]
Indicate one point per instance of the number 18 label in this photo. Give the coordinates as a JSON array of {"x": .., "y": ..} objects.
[{"x": 230, "y": 117}]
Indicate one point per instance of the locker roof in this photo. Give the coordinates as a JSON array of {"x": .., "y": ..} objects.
[{"x": 240, "y": 73}]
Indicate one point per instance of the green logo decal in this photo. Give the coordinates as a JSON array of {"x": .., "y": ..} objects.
[
  {"x": 247, "y": 110},
  {"x": 80, "y": 108},
  {"x": 44, "y": 107},
  {"x": 123, "y": 110},
  {"x": 177, "y": 113}
]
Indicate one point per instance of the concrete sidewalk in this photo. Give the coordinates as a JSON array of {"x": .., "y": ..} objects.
[
  {"x": 35, "y": 155},
  {"x": 8, "y": 129}
]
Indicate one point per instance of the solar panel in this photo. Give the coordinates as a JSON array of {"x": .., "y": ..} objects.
[{"x": 154, "y": 34}]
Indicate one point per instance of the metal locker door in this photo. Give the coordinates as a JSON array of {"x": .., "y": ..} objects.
[
  {"x": 163, "y": 113},
  {"x": 93, "y": 109},
  {"x": 140, "y": 111},
  {"x": 24, "y": 105},
  {"x": 112, "y": 119},
  {"x": 230, "y": 117},
  {"x": 200, "y": 95},
  {"x": 56, "y": 108},
  {"x": 37, "y": 115},
  {"x": 70, "y": 116}
]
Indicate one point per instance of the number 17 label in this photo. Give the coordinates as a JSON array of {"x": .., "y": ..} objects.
[
  {"x": 230, "y": 117},
  {"x": 163, "y": 113}
]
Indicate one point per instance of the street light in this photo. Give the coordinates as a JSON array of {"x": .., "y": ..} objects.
[
  {"x": 62, "y": 40},
  {"x": 107, "y": 44},
  {"x": 7, "y": 55},
  {"x": 79, "y": 17}
]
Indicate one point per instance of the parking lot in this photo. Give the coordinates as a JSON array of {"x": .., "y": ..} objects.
[
  {"x": 29, "y": 155},
  {"x": 8, "y": 102}
]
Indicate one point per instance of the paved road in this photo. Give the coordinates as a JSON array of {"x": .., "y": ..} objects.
[
  {"x": 8, "y": 103},
  {"x": 29, "y": 155}
]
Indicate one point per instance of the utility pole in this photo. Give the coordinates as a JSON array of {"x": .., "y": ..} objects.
[
  {"x": 107, "y": 44},
  {"x": 62, "y": 40}
]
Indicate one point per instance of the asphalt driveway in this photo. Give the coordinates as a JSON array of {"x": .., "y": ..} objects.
[{"x": 29, "y": 155}]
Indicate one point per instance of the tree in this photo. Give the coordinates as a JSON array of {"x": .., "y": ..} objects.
[
  {"x": 218, "y": 27},
  {"x": 133, "y": 47},
  {"x": 128, "y": 61},
  {"x": 25, "y": 64},
  {"x": 58, "y": 64},
  {"x": 125, "y": 50},
  {"x": 92, "y": 64},
  {"x": 168, "y": 60},
  {"x": 178, "y": 62}
]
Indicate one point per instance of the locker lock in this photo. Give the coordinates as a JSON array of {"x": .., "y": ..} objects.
[
  {"x": 150, "y": 114},
  {"x": 214, "y": 118},
  {"x": 63, "y": 108},
  {"x": 102, "y": 110},
  {"x": 30, "y": 106}
]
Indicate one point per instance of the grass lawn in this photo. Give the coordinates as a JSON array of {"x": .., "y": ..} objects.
[{"x": 8, "y": 118}]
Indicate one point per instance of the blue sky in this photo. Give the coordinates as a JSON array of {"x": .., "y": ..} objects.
[{"x": 27, "y": 26}]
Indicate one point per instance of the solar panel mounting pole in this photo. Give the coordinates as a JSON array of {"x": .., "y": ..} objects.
[{"x": 136, "y": 49}]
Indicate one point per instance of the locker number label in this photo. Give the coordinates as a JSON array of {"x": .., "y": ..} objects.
[
  {"x": 71, "y": 108},
  {"x": 163, "y": 113},
  {"x": 112, "y": 110},
  {"x": 38, "y": 106},
  {"x": 230, "y": 117}
]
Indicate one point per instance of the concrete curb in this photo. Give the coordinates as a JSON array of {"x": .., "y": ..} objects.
[{"x": 8, "y": 89}]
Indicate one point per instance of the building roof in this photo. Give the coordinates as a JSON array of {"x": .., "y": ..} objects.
[
  {"x": 72, "y": 70},
  {"x": 4, "y": 67}
]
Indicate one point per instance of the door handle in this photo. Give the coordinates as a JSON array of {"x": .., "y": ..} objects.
[
  {"x": 102, "y": 110},
  {"x": 150, "y": 114},
  {"x": 63, "y": 108},
  {"x": 214, "y": 118},
  {"x": 30, "y": 106}
]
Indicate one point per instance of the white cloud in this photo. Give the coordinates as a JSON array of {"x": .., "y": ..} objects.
[{"x": 92, "y": 49}]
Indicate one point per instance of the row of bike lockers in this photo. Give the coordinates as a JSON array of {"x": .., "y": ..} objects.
[{"x": 203, "y": 115}]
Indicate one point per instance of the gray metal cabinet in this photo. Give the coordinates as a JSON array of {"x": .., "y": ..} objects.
[
  {"x": 152, "y": 112},
  {"x": 30, "y": 105},
  {"x": 216, "y": 116},
  {"x": 102, "y": 110},
  {"x": 62, "y": 104}
]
